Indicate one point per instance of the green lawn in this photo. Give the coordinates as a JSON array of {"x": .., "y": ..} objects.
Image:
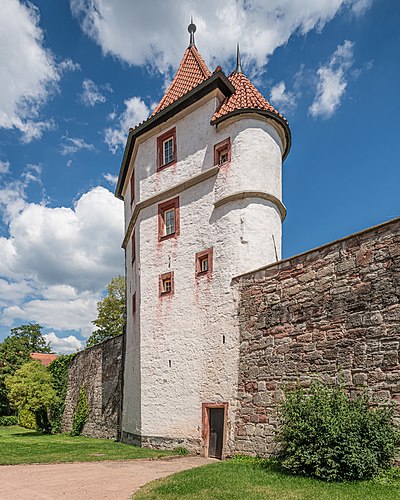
[
  {"x": 238, "y": 481},
  {"x": 23, "y": 446}
]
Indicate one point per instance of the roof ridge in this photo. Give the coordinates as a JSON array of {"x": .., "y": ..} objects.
[{"x": 186, "y": 78}]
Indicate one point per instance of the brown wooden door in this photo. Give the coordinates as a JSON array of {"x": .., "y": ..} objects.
[{"x": 216, "y": 419}]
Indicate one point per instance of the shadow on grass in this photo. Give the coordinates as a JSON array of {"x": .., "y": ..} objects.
[{"x": 32, "y": 434}]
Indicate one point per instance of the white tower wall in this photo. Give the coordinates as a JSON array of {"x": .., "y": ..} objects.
[{"x": 182, "y": 350}]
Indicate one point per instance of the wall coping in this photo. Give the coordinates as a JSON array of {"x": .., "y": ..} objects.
[{"x": 277, "y": 264}]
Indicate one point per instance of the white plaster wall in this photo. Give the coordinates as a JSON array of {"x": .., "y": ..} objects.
[
  {"x": 188, "y": 327},
  {"x": 256, "y": 159}
]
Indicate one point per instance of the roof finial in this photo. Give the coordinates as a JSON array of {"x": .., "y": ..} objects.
[
  {"x": 238, "y": 61},
  {"x": 192, "y": 29}
]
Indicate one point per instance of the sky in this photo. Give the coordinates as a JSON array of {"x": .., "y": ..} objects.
[{"x": 75, "y": 75}]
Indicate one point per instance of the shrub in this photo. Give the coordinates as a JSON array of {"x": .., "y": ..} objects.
[
  {"x": 27, "y": 419},
  {"x": 329, "y": 436},
  {"x": 30, "y": 389},
  {"x": 81, "y": 413},
  {"x": 9, "y": 420}
]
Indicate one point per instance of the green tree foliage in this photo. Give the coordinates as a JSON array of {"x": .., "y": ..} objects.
[
  {"x": 81, "y": 413},
  {"x": 30, "y": 389},
  {"x": 332, "y": 437},
  {"x": 110, "y": 313},
  {"x": 31, "y": 338},
  {"x": 59, "y": 380},
  {"x": 14, "y": 352}
]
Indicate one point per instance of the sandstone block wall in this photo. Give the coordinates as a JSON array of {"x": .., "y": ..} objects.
[
  {"x": 99, "y": 368},
  {"x": 331, "y": 312}
]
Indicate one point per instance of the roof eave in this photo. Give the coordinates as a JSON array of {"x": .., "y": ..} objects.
[
  {"x": 282, "y": 122},
  {"x": 216, "y": 80}
]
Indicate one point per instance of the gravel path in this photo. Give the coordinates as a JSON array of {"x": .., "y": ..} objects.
[{"x": 87, "y": 480}]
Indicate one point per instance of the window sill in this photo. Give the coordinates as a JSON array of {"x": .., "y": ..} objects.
[
  {"x": 162, "y": 167},
  {"x": 167, "y": 236}
]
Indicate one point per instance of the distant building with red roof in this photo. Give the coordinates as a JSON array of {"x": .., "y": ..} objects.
[{"x": 45, "y": 359}]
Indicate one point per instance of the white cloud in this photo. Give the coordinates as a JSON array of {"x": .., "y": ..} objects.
[
  {"x": 360, "y": 6},
  {"x": 72, "y": 145},
  {"x": 4, "y": 167},
  {"x": 135, "y": 112},
  {"x": 112, "y": 179},
  {"x": 154, "y": 33},
  {"x": 56, "y": 261},
  {"x": 332, "y": 81},
  {"x": 68, "y": 65},
  {"x": 284, "y": 100},
  {"x": 29, "y": 71},
  {"x": 91, "y": 94},
  {"x": 63, "y": 345}
]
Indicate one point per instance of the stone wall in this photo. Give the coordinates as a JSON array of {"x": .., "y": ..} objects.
[
  {"x": 99, "y": 369},
  {"x": 332, "y": 312}
]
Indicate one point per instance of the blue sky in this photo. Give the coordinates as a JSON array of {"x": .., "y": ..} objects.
[{"x": 78, "y": 74}]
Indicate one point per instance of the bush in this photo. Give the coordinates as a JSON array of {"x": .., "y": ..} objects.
[
  {"x": 10, "y": 420},
  {"x": 81, "y": 413},
  {"x": 329, "y": 436},
  {"x": 27, "y": 419}
]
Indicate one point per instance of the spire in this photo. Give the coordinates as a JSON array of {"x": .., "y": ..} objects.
[
  {"x": 192, "y": 29},
  {"x": 238, "y": 61}
]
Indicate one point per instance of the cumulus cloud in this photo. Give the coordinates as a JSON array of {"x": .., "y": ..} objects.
[
  {"x": 72, "y": 145},
  {"x": 284, "y": 100},
  {"x": 63, "y": 345},
  {"x": 112, "y": 179},
  {"x": 30, "y": 72},
  {"x": 56, "y": 261},
  {"x": 139, "y": 37},
  {"x": 91, "y": 94},
  {"x": 332, "y": 81},
  {"x": 135, "y": 112}
]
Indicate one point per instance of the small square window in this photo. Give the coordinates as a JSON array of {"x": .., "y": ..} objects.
[
  {"x": 166, "y": 284},
  {"x": 204, "y": 262},
  {"x": 222, "y": 152},
  {"x": 166, "y": 149},
  {"x": 168, "y": 219}
]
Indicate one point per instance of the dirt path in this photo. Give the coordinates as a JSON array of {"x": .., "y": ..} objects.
[{"x": 87, "y": 480}]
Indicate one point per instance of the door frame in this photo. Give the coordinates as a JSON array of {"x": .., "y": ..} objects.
[{"x": 205, "y": 408}]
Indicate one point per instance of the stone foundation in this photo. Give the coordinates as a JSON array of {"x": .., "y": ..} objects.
[{"x": 161, "y": 443}]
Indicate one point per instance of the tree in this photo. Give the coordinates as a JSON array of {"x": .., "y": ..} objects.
[
  {"x": 31, "y": 338},
  {"x": 14, "y": 352},
  {"x": 30, "y": 389},
  {"x": 111, "y": 313}
]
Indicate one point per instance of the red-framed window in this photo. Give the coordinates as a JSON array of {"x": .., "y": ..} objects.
[
  {"x": 204, "y": 262},
  {"x": 166, "y": 284},
  {"x": 168, "y": 219},
  {"x": 133, "y": 241},
  {"x": 134, "y": 304},
  {"x": 166, "y": 149},
  {"x": 132, "y": 187},
  {"x": 222, "y": 152}
]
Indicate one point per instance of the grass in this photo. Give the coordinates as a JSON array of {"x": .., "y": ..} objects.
[
  {"x": 237, "y": 481},
  {"x": 23, "y": 446}
]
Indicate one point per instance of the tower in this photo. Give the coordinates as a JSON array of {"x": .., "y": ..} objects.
[{"x": 201, "y": 184}]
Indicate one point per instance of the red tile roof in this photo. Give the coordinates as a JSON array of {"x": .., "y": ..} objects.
[
  {"x": 191, "y": 72},
  {"x": 245, "y": 97},
  {"x": 45, "y": 359}
]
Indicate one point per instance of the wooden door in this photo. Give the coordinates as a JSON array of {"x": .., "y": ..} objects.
[{"x": 216, "y": 433}]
